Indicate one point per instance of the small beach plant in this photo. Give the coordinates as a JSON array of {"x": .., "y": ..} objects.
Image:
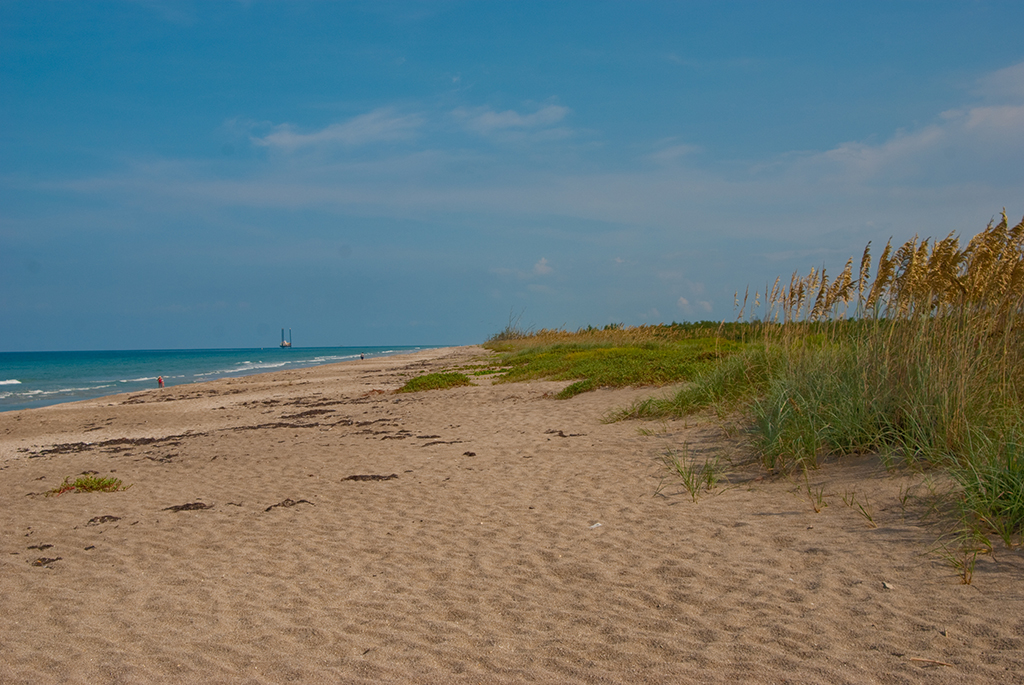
[
  {"x": 816, "y": 495},
  {"x": 962, "y": 557},
  {"x": 88, "y": 483},
  {"x": 695, "y": 478}
]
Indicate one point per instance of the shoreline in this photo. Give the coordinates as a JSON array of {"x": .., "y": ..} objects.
[
  {"x": 37, "y": 379},
  {"x": 328, "y": 529},
  {"x": 192, "y": 394}
]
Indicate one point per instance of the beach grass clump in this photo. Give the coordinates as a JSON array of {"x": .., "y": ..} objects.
[
  {"x": 992, "y": 483},
  {"x": 936, "y": 344},
  {"x": 928, "y": 370},
  {"x": 436, "y": 381},
  {"x": 923, "y": 364},
  {"x": 88, "y": 483},
  {"x": 594, "y": 363}
]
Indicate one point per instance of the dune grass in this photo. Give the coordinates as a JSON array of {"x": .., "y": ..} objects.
[
  {"x": 928, "y": 370},
  {"x": 922, "y": 364}
]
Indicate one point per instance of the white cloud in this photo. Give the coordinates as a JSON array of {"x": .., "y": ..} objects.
[
  {"x": 962, "y": 145},
  {"x": 1004, "y": 84},
  {"x": 377, "y": 126},
  {"x": 958, "y": 141},
  {"x": 689, "y": 309},
  {"x": 484, "y": 120},
  {"x": 672, "y": 153},
  {"x": 997, "y": 121},
  {"x": 950, "y": 173},
  {"x": 541, "y": 268}
]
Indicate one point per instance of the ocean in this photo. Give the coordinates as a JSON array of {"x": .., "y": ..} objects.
[{"x": 38, "y": 379}]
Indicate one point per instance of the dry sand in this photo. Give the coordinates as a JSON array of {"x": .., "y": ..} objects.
[{"x": 521, "y": 540}]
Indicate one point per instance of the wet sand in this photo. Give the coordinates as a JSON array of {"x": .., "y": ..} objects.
[{"x": 314, "y": 526}]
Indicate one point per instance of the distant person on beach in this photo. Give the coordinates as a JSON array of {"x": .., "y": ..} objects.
[
  {"x": 361, "y": 356},
  {"x": 159, "y": 381}
]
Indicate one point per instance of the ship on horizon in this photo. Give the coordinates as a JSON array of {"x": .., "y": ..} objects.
[{"x": 288, "y": 342}]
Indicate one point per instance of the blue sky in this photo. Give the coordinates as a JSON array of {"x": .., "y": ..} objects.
[{"x": 200, "y": 174}]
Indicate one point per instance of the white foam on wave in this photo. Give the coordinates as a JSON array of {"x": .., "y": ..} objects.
[
  {"x": 58, "y": 391},
  {"x": 13, "y": 381},
  {"x": 64, "y": 390},
  {"x": 244, "y": 367},
  {"x": 334, "y": 358},
  {"x": 265, "y": 365},
  {"x": 106, "y": 382}
]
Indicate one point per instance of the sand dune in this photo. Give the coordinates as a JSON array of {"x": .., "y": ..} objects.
[{"x": 492, "y": 535}]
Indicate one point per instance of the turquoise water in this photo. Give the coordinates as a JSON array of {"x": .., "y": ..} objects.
[{"x": 37, "y": 379}]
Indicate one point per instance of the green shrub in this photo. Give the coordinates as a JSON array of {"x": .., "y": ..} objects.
[
  {"x": 596, "y": 364},
  {"x": 436, "y": 381},
  {"x": 88, "y": 484}
]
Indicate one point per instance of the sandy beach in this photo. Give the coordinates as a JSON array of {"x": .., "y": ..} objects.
[{"x": 339, "y": 532}]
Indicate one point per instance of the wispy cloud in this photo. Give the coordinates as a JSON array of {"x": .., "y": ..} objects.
[
  {"x": 688, "y": 308},
  {"x": 1004, "y": 84},
  {"x": 669, "y": 152},
  {"x": 962, "y": 162},
  {"x": 540, "y": 268},
  {"x": 959, "y": 142},
  {"x": 380, "y": 125},
  {"x": 485, "y": 121},
  {"x": 955, "y": 145}
]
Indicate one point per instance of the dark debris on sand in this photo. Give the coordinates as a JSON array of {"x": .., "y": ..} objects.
[
  {"x": 288, "y": 503},
  {"x": 191, "y": 506}
]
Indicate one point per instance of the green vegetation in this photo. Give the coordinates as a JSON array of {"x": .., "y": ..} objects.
[
  {"x": 436, "y": 381},
  {"x": 697, "y": 479},
  {"x": 722, "y": 386},
  {"x": 924, "y": 365},
  {"x": 928, "y": 371},
  {"x": 614, "y": 356},
  {"x": 514, "y": 338},
  {"x": 88, "y": 484}
]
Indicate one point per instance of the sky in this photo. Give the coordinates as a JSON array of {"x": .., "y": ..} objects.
[{"x": 202, "y": 174}]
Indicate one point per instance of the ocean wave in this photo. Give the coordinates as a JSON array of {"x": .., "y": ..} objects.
[
  {"x": 59, "y": 391},
  {"x": 244, "y": 367},
  {"x": 265, "y": 365},
  {"x": 11, "y": 382},
  {"x": 109, "y": 381},
  {"x": 334, "y": 358}
]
